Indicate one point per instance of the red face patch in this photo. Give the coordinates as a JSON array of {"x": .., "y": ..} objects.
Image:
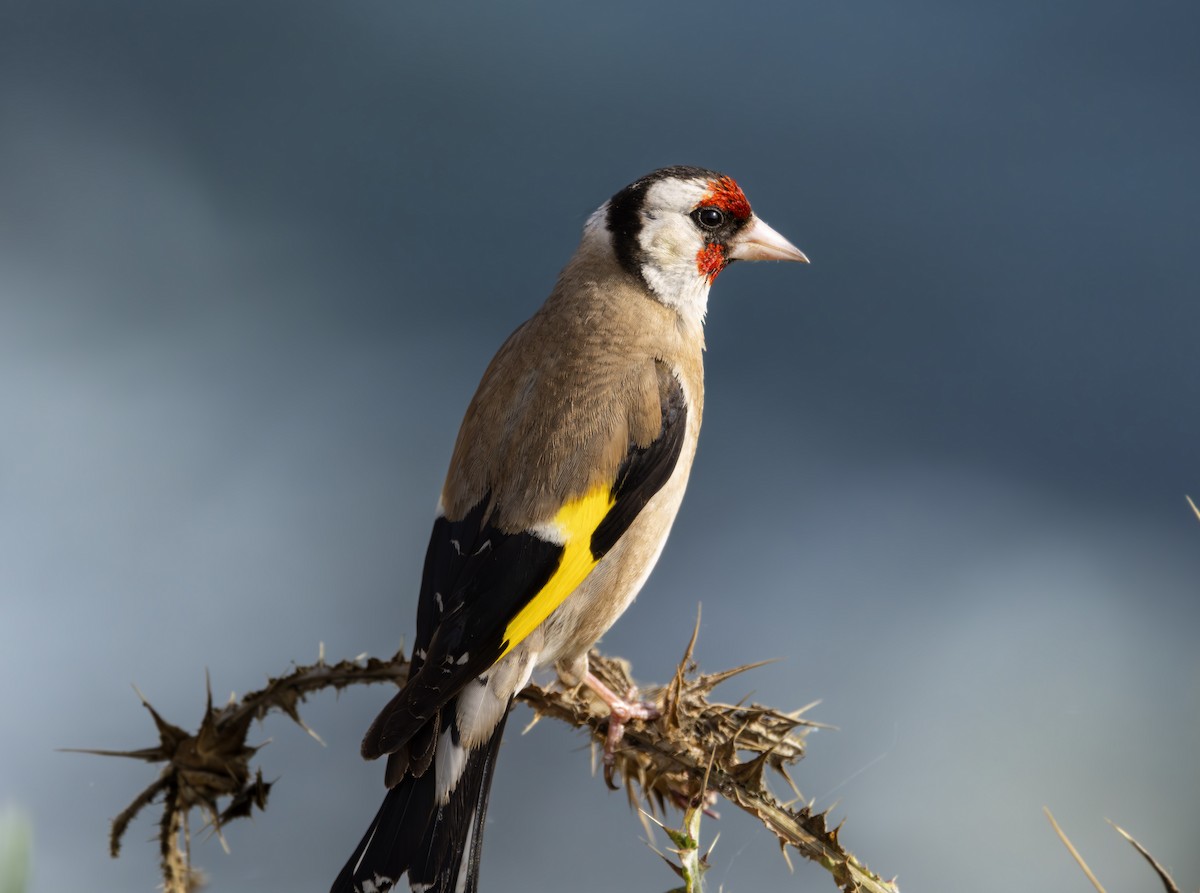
[
  {"x": 710, "y": 260},
  {"x": 725, "y": 194}
]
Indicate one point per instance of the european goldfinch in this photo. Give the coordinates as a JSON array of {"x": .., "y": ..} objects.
[{"x": 566, "y": 477}]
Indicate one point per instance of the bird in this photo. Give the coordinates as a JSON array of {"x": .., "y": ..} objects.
[{"x": 565, "y": 479}]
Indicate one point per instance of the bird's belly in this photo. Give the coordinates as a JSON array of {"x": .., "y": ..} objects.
[{"x": 594, "y": 606}]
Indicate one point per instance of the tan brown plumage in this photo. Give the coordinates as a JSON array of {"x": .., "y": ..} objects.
[{"x": 534, "y": 438}]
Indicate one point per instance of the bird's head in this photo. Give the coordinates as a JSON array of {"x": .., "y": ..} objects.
[{"x": 677, "y": 228}]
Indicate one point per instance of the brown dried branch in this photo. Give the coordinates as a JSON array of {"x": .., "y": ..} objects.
[
  {"x": 1163, "y": 875},
  {"x": 1066, "y": 841},
  {"x": 698, "y": 748},
  {"x": 1167, "y": 880}
]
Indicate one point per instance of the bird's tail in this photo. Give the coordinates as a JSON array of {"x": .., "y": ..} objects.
[{"x": 438, "y": 845}]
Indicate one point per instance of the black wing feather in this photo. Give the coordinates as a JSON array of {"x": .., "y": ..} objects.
[
  {"x": 476, "y": 579},
  {"x": 645, "y": 469}
]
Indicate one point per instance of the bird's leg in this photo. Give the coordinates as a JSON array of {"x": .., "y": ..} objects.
[{"x": 621, "y": 711}]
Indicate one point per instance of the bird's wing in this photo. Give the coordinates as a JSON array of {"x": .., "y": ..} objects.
[{"x": 485, "y": 589}]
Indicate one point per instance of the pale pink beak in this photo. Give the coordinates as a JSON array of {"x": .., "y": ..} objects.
[{"x": 759, "y": 242}]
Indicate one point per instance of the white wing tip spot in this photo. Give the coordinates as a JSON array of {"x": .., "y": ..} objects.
[{"x": 377, "y": 884}]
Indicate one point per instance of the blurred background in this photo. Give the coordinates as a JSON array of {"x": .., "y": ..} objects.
[{"x": 255, "y": 256}]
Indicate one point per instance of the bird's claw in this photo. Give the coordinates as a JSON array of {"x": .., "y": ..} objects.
[{"x": 621, "y": 711}]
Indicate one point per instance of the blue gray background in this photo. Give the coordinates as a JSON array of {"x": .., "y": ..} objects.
[{"x": 254, "y": 257}]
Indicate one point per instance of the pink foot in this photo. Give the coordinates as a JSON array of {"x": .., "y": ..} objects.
[{"x": 621, "y": 711}]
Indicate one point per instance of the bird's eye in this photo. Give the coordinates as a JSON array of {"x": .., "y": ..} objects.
[{"x": 710, "y": 218}]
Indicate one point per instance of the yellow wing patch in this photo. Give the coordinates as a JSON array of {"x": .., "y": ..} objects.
[{"x": 576, "y": 521}]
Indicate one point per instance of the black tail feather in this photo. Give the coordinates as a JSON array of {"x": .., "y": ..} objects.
[{"x": 412, "y": 833}]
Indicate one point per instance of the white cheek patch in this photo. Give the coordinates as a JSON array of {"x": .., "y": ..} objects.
[
  {"x": 670, "y": 240},
  {"x": 670, "y": 245},
  {"x": 681, "y": 286}
]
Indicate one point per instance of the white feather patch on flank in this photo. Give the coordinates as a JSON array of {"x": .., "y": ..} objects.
[
  {"x": 482, "y": 705},
  {"x": 526, "y": 673},
  {"x": 478, "y": 712},
  {"x": 451, "y": 760}
]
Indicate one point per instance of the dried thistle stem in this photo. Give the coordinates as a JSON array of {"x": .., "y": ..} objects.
[{"x": 697, "y": 747}]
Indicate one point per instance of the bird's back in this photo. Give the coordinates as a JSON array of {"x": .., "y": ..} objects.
[{"x": 533, "y": 438}]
